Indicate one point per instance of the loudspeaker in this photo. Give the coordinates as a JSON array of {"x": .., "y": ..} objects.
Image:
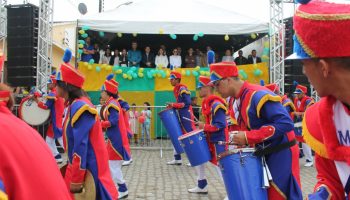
[{"x": 22, "y": 42}]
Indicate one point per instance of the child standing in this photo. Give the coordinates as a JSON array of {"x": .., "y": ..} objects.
[{"x": 146, "y": 125}]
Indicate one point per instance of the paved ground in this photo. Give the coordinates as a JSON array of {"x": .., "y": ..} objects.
[{"x": 150, "y": 178}]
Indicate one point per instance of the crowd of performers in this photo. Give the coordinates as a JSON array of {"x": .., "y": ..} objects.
[{"x": 244, "y": 116}]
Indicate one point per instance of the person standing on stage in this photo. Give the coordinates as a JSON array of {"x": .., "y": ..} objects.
[
  {"x": 55, "y": 104},
  {"x": 326, "y": 63},
  {"x": 27, "y": 165},
  {"x": 117, "y": 143},
  {"x": 82, "y": 137},
  {"x": 302, "y": 102},
  {"x": 184, "y": 108},
  {"x": 262, "y": 122}
]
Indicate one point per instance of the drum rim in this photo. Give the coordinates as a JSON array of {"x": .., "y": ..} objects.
[
  {"x": 20, "y": 112},
  {"x": 165, "y": 110},
  {"x": 234, "y": 151},
  {"x": 191, "y": 134}
]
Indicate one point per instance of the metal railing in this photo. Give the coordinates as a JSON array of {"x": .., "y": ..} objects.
[{"x": 159, "y": 139}]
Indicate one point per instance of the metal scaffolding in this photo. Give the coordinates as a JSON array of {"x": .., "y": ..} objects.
[
  {"x": 44, "y": 44},
  {"x": 277, "y": 40},
  {"x": 3, "y": 30}
]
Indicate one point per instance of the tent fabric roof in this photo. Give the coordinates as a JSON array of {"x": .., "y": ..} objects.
[{"x": 173, "y": 17}]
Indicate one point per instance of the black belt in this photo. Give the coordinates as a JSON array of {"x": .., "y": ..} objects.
[{"x": 270, "y": 150}]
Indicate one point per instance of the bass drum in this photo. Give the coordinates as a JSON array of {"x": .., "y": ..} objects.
[{"x": 30, "y": 112}]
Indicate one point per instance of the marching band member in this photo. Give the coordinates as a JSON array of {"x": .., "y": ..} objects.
[
  {"x": 301, "y": 103},
  {"x": 117, "y": 143},
  {"x": 24, "y": 175},
  {"x": 262, "y": 122},
  {"x": 56, "y": 106},
  {"x": 124, "y": 111},
  {"x": 214, "y": 111},
  {"x": 286, "y": 102},
  {"x": 183, "y": 105},
  {"x": 82, "y": 137},
  {"x": 326, "y": 63}
]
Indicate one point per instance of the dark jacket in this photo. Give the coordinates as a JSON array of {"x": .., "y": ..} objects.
[
  {"x": 150, "y": 58},
  {"x": 123, "y": 60},
  {"x": 241, "y": 60},
  {"x": 250, "y": 59}
]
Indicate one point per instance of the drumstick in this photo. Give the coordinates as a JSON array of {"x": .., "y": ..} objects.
[{"x": 185, "y": 118}]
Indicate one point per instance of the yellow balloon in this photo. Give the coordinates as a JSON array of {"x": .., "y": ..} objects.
[
  {"x": 134, "y": 34},
  {"x": 140, "y": 75},
  {"x": 81, "y": 46},
  {"x": 198, "y": 68},
  {"x": 86, "y": 64},
  {"x": 103, "y": 66},
  {"x": 161, "y": 31},
  {"x": 202, "y": 73},
  {"x": 89, "y": 67},
  {"x": 265, "y": 57},
  {"x": 141, "y": 69},
  {"x": 81, "y": 32},
  {"x": 253, "y": 35},
  {"x": 125, "y": 76},
  {"x": 108, "y": 67},
  {"x": 267, "y": 44},
  {"x": 130, "y": 78},
  {"x": 226, "y": 37},
  {"x": 183, "y": 72},
  {"x": 167, "y": 73},
  {"x": 120, "y": 71},
  {"x": 120, "y": 35}
]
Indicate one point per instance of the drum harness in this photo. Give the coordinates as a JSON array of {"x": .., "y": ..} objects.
[{"x": 260, "y": 150}]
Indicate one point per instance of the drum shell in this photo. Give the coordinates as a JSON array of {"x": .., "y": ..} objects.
[
  {"x": 171, "y": 123},
  {"x": 31, "y": 113},
  {"x": 243, "y": 181},
  {"x": 196, "y": 147}
]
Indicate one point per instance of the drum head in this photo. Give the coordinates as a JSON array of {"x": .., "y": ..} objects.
[
  {"x": 89, "y": 191},
  {"x": 32, "y": 114}
]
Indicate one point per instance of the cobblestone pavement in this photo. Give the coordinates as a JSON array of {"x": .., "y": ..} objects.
[{"x": 148, "y": 177}]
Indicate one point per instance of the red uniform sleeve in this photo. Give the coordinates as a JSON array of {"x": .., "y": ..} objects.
[
  {"x": 328, "y": 181},
  {"x": 178, "y": 105},
  {"x": 42, "y": 105}
]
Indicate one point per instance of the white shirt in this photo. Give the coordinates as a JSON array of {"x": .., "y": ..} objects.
[
  {"x": 254, "y": 60},
  {"x": 161, "y": 61},
  {"x": 175, "y": 61},
  {"x": 342, "y": 124},
  {"x": 105, "y": 60},
  {"x": 116, "y": 60},
  {"x": 227, "y": 59}
]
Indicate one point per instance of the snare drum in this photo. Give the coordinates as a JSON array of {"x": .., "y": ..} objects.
[
  {"x": 31, "y": 113},
  {"x": 196, "y": 147},
  {"x": 243, "y": 174},
  {"x": 171, "y": 123}
]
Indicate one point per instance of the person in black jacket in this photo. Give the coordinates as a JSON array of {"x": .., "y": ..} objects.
[
  {"x": 147, "y": 60},
  {"x": 253, "y": 59},
  {"x": 241, "y": 60}
]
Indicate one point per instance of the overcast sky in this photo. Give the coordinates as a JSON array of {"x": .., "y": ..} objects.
[{"x": 66, "y": 10}]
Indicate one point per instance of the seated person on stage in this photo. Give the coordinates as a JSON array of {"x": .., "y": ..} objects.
[{"x": 262, "y": 122}]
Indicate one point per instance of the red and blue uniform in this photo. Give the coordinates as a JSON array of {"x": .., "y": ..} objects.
[
  {"x": 84, "y": 143},
  {"x": 27, "y": 167},
  {"x": 125, "y": 107},
  {"x": 214, "y": 111},
  {"x": 183, "y": 105},
  {"x": 56, "y": 106},
  {"x": 117, "y": 144},
  {"x": 303, "y": 104},
  {"x": 267, "y": 123},
  {"x": 323, "y": 131},
  {"x": 288, "y": 105}
]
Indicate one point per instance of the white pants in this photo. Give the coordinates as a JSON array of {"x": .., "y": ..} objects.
[
  {"x": 200, "y": 171},
  {"x": 115, "y": 167},
  {"x": 307, "y": 152},
  {"x": 52, "y": 145}
]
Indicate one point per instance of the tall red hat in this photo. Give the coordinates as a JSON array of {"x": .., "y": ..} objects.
[
  {"x": 203, "y": 81},
  {"x": 70, "y": 75},
  {"x": 321, "y": 29},
  {"x": 175, "y": 75},
  {"x": 273, "y": 87},
  {"x": 67, "y": 73},
  {"x": 223, "y": 70},
  {"x": 52, "y": 78},
  {"x": 110, "y": 85},
  {"x": 300, "y": 89}
]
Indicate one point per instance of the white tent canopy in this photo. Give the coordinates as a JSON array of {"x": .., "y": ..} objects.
[{"x": 173, "y": 17}]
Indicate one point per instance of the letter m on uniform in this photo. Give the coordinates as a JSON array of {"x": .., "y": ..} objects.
[{"x": 344, "y": 139}]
